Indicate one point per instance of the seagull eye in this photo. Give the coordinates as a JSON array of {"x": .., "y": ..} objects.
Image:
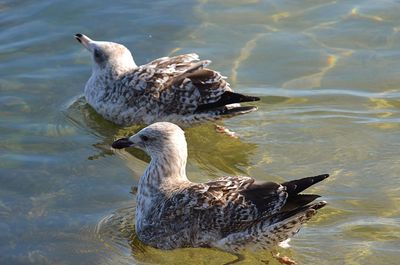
[
  {"x": 144, "y": 138},
  {"x": 97, "y": 53},
  {"x": 98, "y": 56}
]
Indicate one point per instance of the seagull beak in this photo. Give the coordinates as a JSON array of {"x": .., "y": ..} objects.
[
  {"x": 84, "y": 40},
  {"x": 122, "y": 143}
]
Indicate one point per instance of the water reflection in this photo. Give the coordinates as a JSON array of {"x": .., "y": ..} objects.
[{"x": 210, "y": 149}]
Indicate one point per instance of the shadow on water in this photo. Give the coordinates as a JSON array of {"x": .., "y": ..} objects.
[{"x": 212, "y": 151}]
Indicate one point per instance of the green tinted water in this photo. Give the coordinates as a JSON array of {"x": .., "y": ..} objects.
[{"x": 327, "y": 73}]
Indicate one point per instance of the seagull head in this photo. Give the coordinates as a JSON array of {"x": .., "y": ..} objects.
[
  {"x": 159, "y": 140},
  {"x": 107, "y": 56}
]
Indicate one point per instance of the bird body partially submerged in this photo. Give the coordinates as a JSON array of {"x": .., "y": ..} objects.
[
  {"x": 177, "y": 89},
  {"x": 230, "y": 213}
]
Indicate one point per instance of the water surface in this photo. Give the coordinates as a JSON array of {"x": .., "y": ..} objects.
[{"x": 328, "y": 76}]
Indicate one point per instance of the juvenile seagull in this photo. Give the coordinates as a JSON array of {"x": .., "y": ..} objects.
[
  {"x": 230, "y": 213},
  {"x": 178, "y": 89}
]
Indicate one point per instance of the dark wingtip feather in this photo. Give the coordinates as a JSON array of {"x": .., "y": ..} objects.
[
  {"x": 296, "y": 186},
  {"x": 313, "y": 207},
  {"x": 298, "y": 200},
  {"x": 226, "y": 98},
  {"x": 238, "y": 110}
]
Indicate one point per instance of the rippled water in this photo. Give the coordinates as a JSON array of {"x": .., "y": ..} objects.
[{"x": 328, "y": 76}]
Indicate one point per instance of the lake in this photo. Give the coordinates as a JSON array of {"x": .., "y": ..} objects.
[{"x": 328, "y": 76}]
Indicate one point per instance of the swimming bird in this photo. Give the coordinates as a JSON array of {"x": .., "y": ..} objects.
[
  {"x": 231, "y": 213},
  {"x": 178, "y": 89}
]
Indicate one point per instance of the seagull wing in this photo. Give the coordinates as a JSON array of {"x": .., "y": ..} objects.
[
  {"x": 183, "y": 85},
  {"x": 235, "y": 203}
]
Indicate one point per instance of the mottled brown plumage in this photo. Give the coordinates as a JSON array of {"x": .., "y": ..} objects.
[
  {"x": 230, "y": 213},
  {"x": 178, "y": 89}
]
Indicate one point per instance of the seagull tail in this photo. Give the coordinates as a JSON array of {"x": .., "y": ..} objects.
[
  {"x": 226, "y": 99},
  {"x": 269, "y": 231},
  {"x": 233, "y": 110},
  {"x": 287, "y": 224},
  {"x": 294, "y": 187}
]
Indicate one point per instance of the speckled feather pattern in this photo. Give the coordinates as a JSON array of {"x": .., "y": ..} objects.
[
  {"x": 177, "y": 89},
  {"x": 167, "y": 89},
  {"x": 216, "y": 214},
  {"x": 230, "y": 213}
]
